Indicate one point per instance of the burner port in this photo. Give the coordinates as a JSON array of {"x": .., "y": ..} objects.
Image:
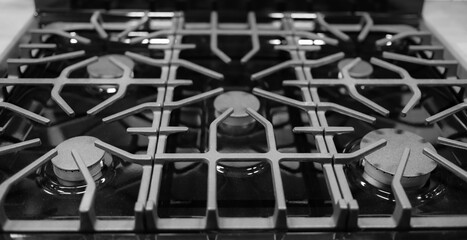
[
  {"x": 380, "y": 166},
  {"x": 239, "y": 122},
  {"x": 65, "y": 168}
]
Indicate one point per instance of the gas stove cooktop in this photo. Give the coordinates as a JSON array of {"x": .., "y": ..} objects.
[{"x": 188, "y": 121}]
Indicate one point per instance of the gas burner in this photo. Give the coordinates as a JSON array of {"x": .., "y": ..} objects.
[
  {"x": 362, "y": 69},
  {"x": 239, "y": 122},
  {"x": 105, "y": 68},
  {"x": 380, "y": 166},
  {"x": 65, "y": 168},
  {"x": 241, "y": 169}
]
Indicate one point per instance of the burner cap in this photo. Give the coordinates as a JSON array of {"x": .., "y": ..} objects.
[
  {"x": 64, "y": 165},
  {"x": 104, "y": 68},
  {"x": 380, "y": 166},
  {"x": 239, "y": 122},
  {"x": 362, "y": 69}
]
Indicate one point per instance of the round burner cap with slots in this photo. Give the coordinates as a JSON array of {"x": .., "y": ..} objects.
[
  {"x": 380, "y": 166},
  {"x": 104, "y": 68},
  {"x": 64, "y": 165},
  {"x": 362, "y": 69},
  {"x": 239, "y": 122}
]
